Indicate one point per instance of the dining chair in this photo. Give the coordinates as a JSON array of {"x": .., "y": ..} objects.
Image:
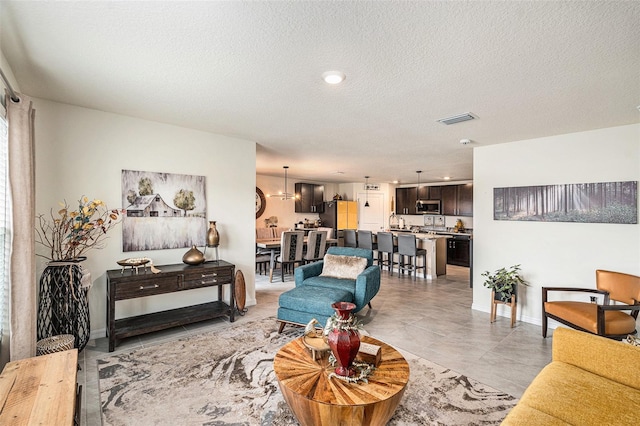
[
  {"x": 264, "y": 233},
  {"x": 329, "y": 232},
  {"x": 316, "y": 246},
  {"x": 263, "y": 256},
  {"x": 350, "y": 239},
  {"x": 386, "y": 246},
  {"x": 407, "y": 248},
  {"x": 277, "y": 231},
  {"x": 291, "y": 249},
  {"x": 365, "y": 241}
]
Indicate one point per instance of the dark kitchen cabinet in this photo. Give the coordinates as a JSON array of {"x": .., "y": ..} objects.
[
  {"x": 449, "y": 200},
  {"x": 423, "y": 193},
  {"x": 465, "y": 200},
  {"x": 309, "y": 198},
  {"x": 457, "y": 200},
  {"x": 406, "y": 200},
  {"x": 435, "y": 192},
  {"x": 459, "y": 250},
  {"x": 429, "y": 193}
]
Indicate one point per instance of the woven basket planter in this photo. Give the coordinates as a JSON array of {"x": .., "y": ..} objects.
[{"x": 63, "y": 307}]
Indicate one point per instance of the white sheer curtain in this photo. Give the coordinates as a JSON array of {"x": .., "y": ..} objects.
[
  {"x": 22, "y": 284},
  {"x": 5, "y": 240}
]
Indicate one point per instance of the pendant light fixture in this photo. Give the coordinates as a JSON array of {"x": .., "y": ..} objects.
[
  {"x": 284, "y": 195},
  {"x": 366, "y": 191},
  {"x": 418, "y": 188}
]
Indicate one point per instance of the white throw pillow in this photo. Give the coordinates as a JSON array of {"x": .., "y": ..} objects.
[{"x": 345, "y": 267}]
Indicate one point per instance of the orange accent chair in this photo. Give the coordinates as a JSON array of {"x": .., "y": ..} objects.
[{"x": 606, "y": 319}]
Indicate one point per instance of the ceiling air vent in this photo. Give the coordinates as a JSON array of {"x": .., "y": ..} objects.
[{"x": 457, "y": 118}]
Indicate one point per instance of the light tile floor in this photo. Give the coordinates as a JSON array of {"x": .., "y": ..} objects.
[{"x": 432, "y": 319}]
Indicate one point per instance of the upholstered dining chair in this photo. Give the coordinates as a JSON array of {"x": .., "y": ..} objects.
[
  {"x": 329, "y": 231},
  {"x": 386, "y": 246},
  {"x": 350, "y": 238},
  {"x": 263, "y": 257},
  {"x": 615, "y": 321},
  {"x": 278, "y": 230},
  {"x": 264, "y": 233},
  {"x": 316, "y": 246},
  {"x": 291, "y": 250},
  {"x": 407, "y": 248}
]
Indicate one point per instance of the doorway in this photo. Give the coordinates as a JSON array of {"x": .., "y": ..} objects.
[{"x": 371, "y": 218}]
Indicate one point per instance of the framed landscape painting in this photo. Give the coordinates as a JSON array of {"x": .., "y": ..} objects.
[
  {"x": 163, "y": 210},
  {"x": 601, "y": 202}
]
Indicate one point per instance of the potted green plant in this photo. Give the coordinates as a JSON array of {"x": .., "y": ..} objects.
[{"x": 504, "y": 282}]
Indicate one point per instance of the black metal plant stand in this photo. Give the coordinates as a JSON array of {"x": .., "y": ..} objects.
[{"x": 63, "y": 307}]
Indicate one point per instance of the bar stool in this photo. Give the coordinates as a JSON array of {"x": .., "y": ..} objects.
[
  {"x": 407, "y": 247},
  {"x": 365, "y": 241},
  {"x": 385, "y": 246},
  {"x": 350, "y": 239}
]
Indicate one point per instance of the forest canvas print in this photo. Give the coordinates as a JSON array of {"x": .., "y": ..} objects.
[
  {"x": 602, "y": 202},
  {"x": 163, "y": 210}
]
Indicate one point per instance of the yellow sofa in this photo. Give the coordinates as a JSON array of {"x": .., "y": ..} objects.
[{"x": 591, "y": 380}]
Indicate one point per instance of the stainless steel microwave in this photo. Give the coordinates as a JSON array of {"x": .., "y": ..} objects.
[{"x": 428, "y": 206}]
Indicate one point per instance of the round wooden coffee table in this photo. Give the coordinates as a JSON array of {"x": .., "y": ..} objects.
[{"x": 317, "y": 400}]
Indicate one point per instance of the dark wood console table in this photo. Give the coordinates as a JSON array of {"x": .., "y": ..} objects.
[{"x": 128, "y": 284}]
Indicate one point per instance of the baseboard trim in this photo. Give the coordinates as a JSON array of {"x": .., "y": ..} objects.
[
  {"x": 98, "y": 334},
  {"x": 503, "y": 311}
]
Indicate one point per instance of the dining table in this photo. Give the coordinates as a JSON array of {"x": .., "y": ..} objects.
[{"x": 273, "y": 245}]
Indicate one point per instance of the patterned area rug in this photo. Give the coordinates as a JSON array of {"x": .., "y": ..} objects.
[{"x": 225, "y": 377}]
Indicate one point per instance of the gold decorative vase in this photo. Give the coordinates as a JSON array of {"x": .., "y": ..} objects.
[
  {"x": 213, "y": 238},
  {"x": 193, "y": 256}
]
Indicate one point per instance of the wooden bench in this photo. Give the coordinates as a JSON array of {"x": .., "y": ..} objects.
[{"x": 40, "y": 390}]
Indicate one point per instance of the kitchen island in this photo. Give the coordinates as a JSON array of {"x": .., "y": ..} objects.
[{"x": 436, "y": 247}]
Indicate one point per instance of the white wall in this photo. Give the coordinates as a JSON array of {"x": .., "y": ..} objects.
[
  {"x": 553, "y": 254},
  {"x": 81, "y": 151}
]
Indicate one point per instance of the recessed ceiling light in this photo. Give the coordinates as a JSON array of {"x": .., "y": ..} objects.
[
  {"x": 447, "y": 178},
  {"x": 334, "y": 77}
]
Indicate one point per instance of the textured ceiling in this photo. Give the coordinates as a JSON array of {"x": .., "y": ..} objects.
[{"x": 252, "y": 70}]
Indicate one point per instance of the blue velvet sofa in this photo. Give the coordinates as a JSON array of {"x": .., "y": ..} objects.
[{"x": 313, "y": 294}]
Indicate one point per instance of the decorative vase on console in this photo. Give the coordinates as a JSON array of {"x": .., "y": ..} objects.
[
  {"x": 193, "y": 256},
  {"x": 213, "y": 238},
  {"x": 343, "y": 337}
]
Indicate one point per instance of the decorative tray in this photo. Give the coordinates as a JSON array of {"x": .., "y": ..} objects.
[
  {"x": 133, "y": 262},
  {"x": 316, "y": 344}
]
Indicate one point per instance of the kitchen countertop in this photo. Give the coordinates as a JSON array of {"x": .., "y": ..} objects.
[
  {"x": 420, "y": 235},
  {"x": 438, "y": 232}
]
